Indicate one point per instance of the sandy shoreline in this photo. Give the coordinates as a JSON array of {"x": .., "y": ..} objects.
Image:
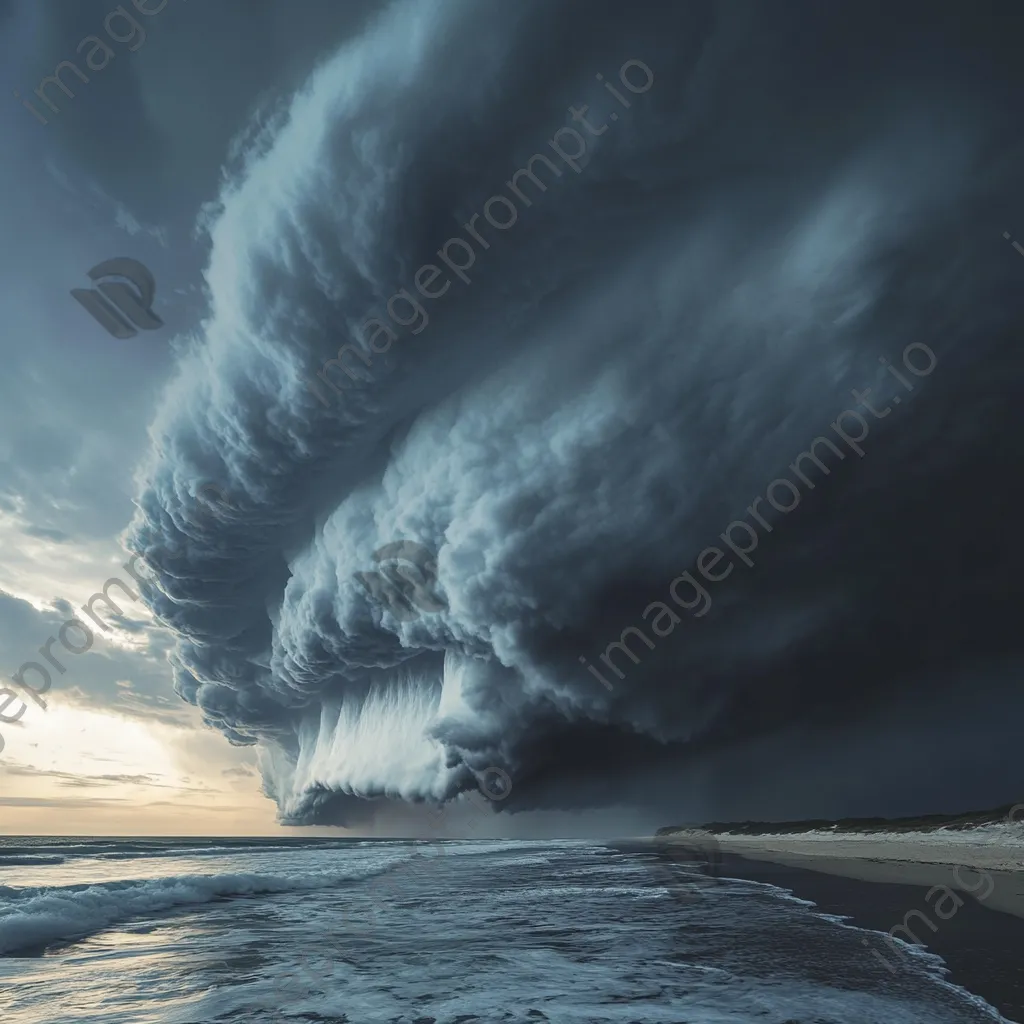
[
  {"x": 905, "y": 891},
  {"x": 991, "y": 873}
]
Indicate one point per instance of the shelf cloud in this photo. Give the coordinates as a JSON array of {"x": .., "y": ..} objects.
[{"x": 576, "y": 420}]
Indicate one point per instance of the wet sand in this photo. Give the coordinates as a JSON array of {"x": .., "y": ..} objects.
[
  {"x": 982, "y": 947},
  {"x": 981, "y": 941}
]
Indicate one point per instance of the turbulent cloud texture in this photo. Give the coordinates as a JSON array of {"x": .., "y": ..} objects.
[{"x": 802, "y": 190}]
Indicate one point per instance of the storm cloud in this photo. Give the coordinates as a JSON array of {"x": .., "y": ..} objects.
[{"x": 800, "y": 192}]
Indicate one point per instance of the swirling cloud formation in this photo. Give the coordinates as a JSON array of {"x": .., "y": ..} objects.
[{"x": 730, "y": 213}]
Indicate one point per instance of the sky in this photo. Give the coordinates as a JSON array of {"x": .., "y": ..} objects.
[
  {"x": 125, "y": 168},
  {"x": 596, "y": 278}
]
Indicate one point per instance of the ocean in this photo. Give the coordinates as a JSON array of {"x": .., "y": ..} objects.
[{"x": 197, "y": 931}]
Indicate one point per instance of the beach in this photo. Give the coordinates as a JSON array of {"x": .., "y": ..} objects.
[{"x": 957, "y": 894}]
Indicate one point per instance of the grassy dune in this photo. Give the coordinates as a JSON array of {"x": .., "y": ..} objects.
[{"x": 920, "y": 823}]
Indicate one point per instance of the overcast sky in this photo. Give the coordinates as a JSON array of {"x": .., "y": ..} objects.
[{"x": 770, "y": 204}]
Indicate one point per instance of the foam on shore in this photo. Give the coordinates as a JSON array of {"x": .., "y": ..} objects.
[{"x": 986, "y": 862}]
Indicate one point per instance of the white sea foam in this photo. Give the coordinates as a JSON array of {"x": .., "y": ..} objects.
[
  {"x": 37, "y": 917},
  {"x": 564, "y": 931}
]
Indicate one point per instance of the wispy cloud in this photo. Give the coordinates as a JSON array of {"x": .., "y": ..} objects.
[{"x": 73, "y": 779}]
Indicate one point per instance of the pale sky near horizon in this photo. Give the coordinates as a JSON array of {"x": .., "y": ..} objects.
[
  {"x": 81, "y": 768},
  {"x": 81, "y": 772}
]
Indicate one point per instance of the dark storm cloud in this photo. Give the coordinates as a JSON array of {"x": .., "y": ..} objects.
[
  {"x": 802, "y": 191},
  {"x": 153, "y": 124}
]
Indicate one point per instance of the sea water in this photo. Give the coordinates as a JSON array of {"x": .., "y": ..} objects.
[{"x": 343, "y": 930}]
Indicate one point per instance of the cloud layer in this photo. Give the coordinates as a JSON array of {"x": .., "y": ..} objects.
[{"x": 623, "y": 369}]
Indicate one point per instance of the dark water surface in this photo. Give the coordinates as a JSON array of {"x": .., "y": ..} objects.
[{"x": 155, "y": 932}]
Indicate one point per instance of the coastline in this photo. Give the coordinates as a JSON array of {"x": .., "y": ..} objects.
[
  {"x": 980, "y": 944},
  {"x": 996, "y": 888},
  {"x": 980, "y": 940}
]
